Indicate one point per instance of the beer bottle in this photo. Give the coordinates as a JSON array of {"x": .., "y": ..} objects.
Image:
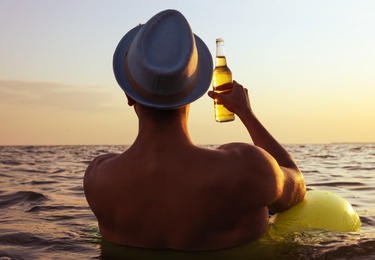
[{"x": 220, "y": 76}]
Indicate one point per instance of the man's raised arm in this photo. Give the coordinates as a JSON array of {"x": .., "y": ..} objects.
[{"x": 292, "y": 185}]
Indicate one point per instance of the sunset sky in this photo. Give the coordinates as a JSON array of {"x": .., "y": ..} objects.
[{"x": 309, "y": 67}]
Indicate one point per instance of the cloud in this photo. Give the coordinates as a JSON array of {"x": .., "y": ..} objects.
[{"x": 49, "y": 95}]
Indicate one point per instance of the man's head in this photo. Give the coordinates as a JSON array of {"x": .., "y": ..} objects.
[{"x": 162, "y": 64}]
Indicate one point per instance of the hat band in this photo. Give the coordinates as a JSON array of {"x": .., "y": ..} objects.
[{"x": 161, "y": 99}]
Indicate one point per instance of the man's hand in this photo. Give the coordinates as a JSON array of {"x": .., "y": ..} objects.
[{"x": 236, "y": 101}]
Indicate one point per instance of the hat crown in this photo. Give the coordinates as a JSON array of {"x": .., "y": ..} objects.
[
  {"x": 163, "y": 64},
  {"x": 162, "y": 59}
]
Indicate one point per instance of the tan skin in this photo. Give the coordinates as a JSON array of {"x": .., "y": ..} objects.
[{"x": 165, "y": 192}]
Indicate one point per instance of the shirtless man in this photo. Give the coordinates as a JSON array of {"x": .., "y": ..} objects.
[{"x": 164, "y": 192}]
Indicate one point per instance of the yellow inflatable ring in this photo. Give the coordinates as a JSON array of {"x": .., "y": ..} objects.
[{"x": 319, "y": 210}]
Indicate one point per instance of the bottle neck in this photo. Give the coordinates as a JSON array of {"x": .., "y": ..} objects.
[
  {"x": 220, "y": 61},
  {"x": 220, "y": 54}
]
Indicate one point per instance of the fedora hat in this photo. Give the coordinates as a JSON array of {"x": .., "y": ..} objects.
[{"x": 162, "y": 64}]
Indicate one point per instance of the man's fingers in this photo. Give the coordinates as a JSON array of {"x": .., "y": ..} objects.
[{"x": 215, "y": 95}]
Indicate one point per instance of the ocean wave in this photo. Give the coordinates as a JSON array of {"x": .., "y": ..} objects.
[
  {"x": 358, "y": 168},
  {"x": 324, "y": 156},
  {"x": 21, "y": 238},
  {"x": 28, "y": 170},
  {"x": 59, "y": 171},
  {"x": 11, "y": 162},
  {"x": 310, "y": 171},
  {"x": 26, "y": 245},
  {"x": 338, "y": 183},
  {"x": 43, "y": 182},
  {"x": 53, "y": 208},
  {"x": 8, "y": 200}
]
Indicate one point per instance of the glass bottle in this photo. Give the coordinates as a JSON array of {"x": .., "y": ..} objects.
[{"x": 220, "y": 76}]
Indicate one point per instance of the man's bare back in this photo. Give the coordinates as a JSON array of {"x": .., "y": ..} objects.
[{"x": 182, "y": 197}]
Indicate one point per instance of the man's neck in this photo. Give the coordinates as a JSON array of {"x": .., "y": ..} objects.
[{"x": 172, "y": 132}]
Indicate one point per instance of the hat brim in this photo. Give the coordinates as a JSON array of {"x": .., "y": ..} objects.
[{"x": 204, "y": 73}]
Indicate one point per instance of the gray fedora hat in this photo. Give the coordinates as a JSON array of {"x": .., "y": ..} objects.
[{"x": 162, "y": 64}]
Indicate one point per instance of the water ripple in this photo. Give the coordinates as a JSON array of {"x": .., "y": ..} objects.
[
  {"x": 12, "y": 199},
  {"x": 11, "y": 162}
]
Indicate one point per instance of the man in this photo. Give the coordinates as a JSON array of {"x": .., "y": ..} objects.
[{"x": 165, "y": 192}]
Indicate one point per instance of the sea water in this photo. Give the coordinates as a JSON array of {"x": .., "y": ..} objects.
[{"x": 44, "y": 213}]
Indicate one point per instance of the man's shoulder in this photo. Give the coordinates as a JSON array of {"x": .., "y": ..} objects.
[
  {"x": 252, "y": 161},
  {"x": 93, "y": 180},
  {"x": 95, "y": 164},
  {"x": 243, "y": 150},
  {"x": 253, "y": 172}
]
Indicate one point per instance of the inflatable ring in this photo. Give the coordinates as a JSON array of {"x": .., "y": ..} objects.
[{"x": 322, "y": 210}]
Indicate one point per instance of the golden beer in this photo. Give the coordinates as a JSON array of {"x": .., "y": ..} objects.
[{"x": 220, "y": 77}]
